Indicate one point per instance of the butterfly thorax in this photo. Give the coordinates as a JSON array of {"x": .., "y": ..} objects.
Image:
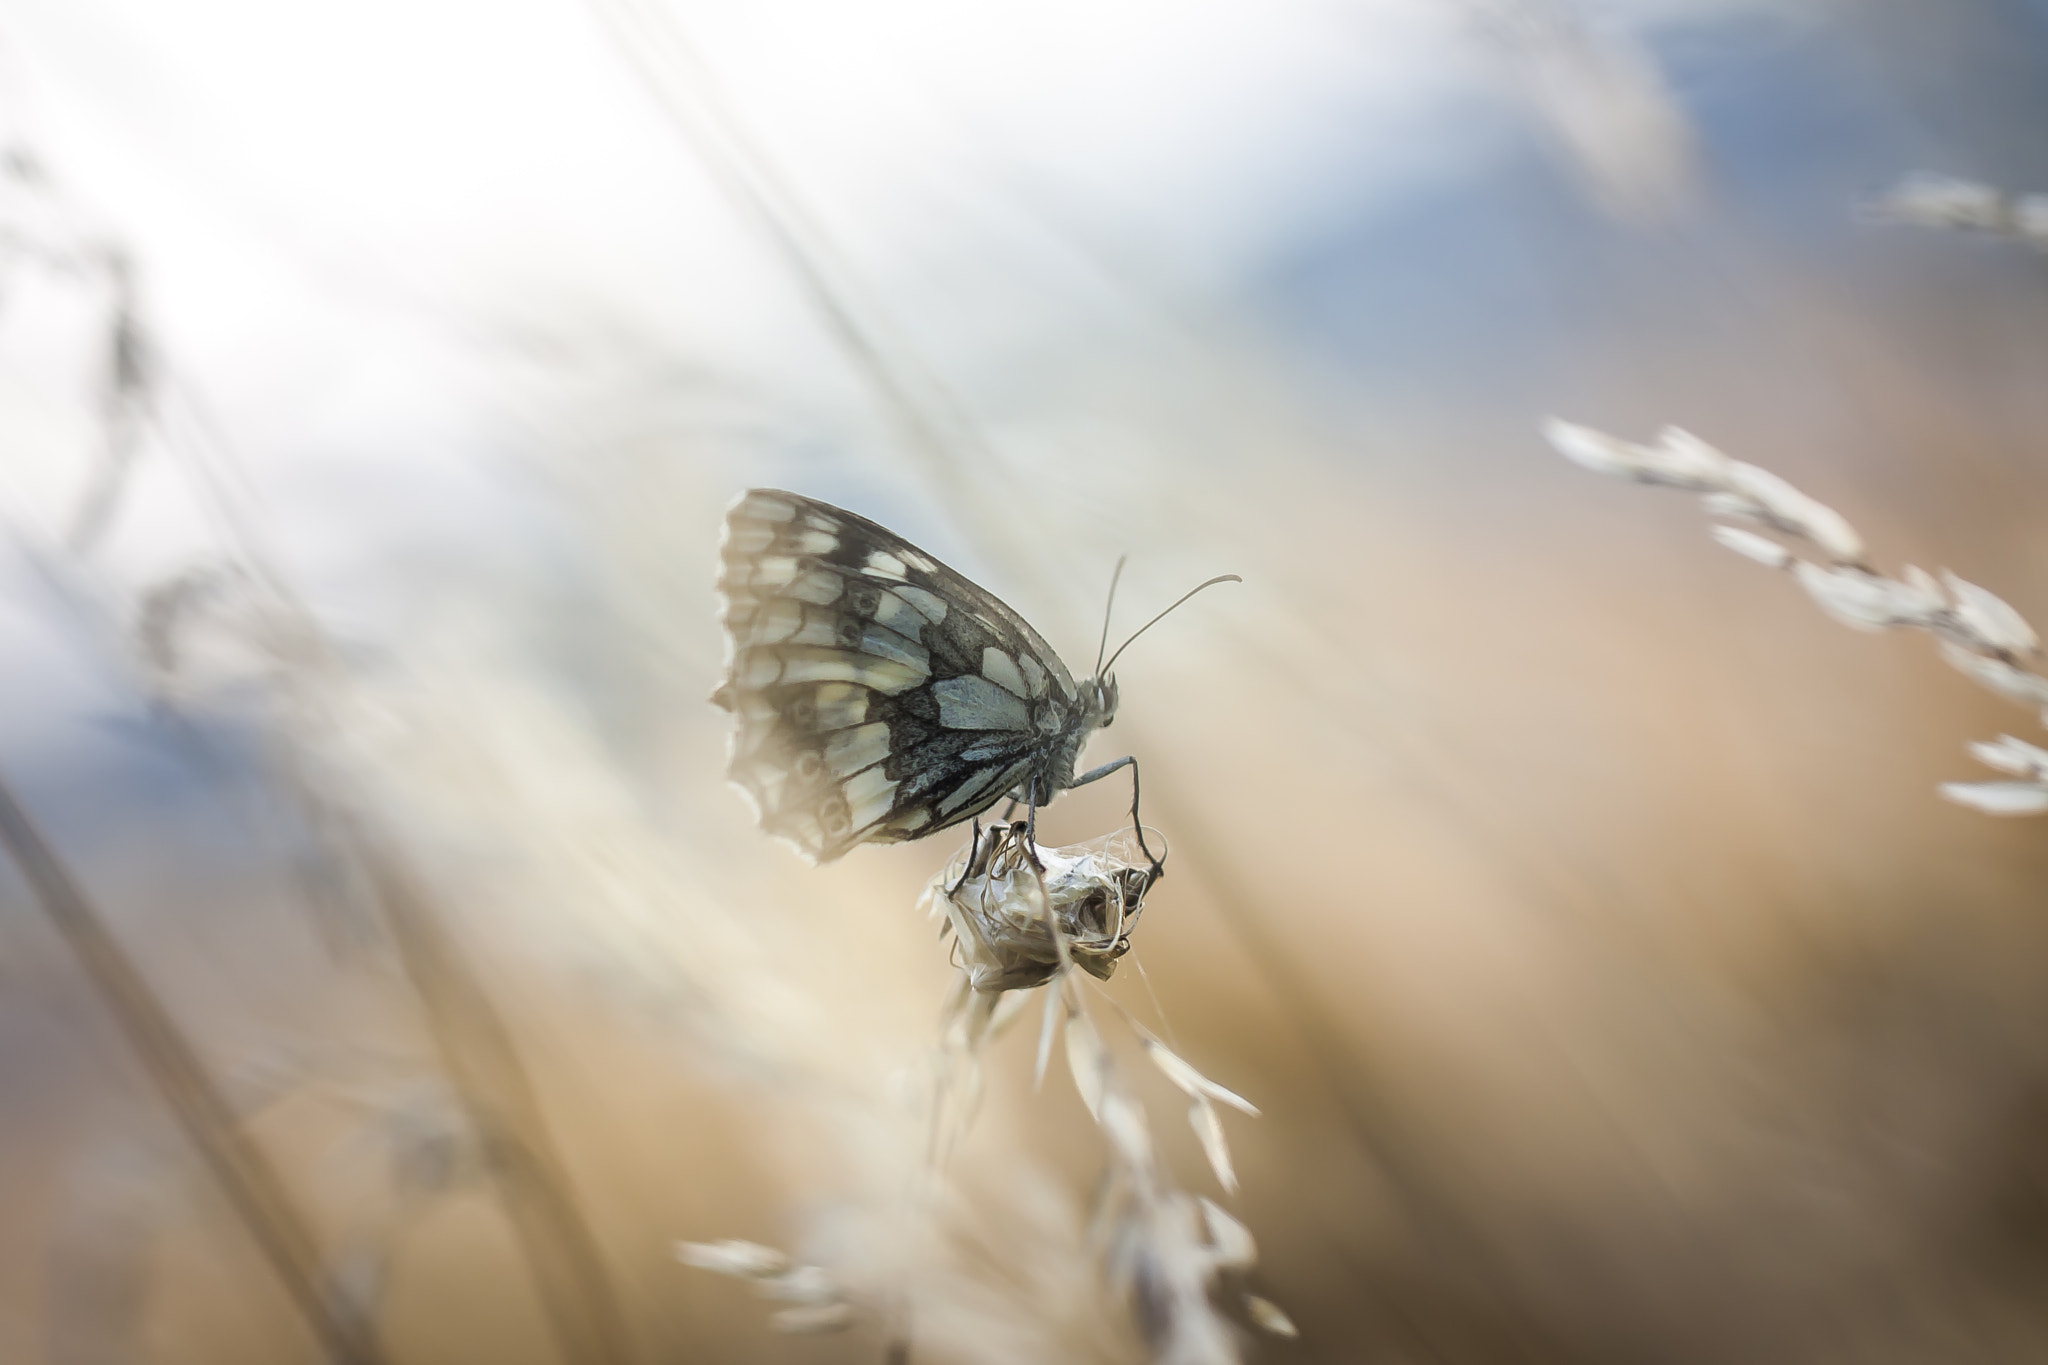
[{"x": 1067, "y": 730}]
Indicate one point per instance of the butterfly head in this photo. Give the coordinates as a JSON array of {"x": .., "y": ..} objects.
[{"x": 1100, "y": 695}]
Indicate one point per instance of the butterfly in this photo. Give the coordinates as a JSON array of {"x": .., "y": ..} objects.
[{"x": 881, "y": 696}]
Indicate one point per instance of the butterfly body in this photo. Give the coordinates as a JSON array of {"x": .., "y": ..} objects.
[{"x": 879, "y": 695}]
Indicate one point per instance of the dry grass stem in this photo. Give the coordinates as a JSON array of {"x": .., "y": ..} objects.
[
  {"x": 245, "y": 1173},
  {"x": 288, "y": 675},
  {"x": 499, "y": 1100}
]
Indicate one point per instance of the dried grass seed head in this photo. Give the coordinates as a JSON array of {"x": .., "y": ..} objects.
[
  {"x": 1003, "y": 910},
  {"x": 1685, "y": 463},
  {"x": 1785, "y": 507},
  {"x": 818, "y": 1302},
  {"x": 1750, "y": 545},
  {"x": 1999, "y": 798},
  {"x": 1928, "y": 199},
  {"x": 2014, "y": 756},
  {"x": 740, "y": 1259},
  {"x": 2014, "y": 684},
  {"x": 1857, "y": 598},
  {"x": 1997, "y": 628}
]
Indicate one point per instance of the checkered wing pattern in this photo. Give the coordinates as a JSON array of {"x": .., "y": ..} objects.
[{"x": 879, "y": 695}]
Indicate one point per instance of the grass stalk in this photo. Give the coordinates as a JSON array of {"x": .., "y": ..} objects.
[
  {"x": 245, "y": 1174},
  {"x": 467, "y": 1028},
  {"x": 498, "y": 1097}
]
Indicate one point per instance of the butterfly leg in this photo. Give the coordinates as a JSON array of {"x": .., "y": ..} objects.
[
  {"x": 967, "y": 868},
  {"x": 1031, "y": 822},
  {"x": 1158, "y": 869}
]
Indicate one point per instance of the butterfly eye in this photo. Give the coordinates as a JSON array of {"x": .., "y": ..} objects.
[{"x": 1105, "y": 699}]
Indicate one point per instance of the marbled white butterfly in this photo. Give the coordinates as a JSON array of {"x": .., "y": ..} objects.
[{"x": 880, "y": 695}]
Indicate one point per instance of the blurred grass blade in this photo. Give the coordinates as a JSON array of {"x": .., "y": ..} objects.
[
  {"x": 244, "y": 1172},
  {"x": 498, "y": 1098}
]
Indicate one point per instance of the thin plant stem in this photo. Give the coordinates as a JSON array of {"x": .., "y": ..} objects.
[
  {"x": 484, "y": 1067},
  {"x": 935, "y": 427},
  {"x": 498, "y": 1097},
  {"x": 245, "y": 1174}
]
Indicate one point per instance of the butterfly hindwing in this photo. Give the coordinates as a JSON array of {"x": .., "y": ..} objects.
[{"x": 880, "y": 695}]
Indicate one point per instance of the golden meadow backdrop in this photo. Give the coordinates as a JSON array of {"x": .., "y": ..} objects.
[{"x": 387, "y": 971}]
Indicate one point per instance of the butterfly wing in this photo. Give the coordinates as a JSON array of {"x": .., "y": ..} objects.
[{"x": 880, "y": 696}]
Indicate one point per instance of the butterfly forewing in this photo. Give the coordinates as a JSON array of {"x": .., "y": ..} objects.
[{"x": 880, "y": 696}]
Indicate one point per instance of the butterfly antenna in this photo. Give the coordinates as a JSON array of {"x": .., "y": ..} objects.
[
  {"x": 1117, "y": 573},
  {"x": 1219, "y": 578}
]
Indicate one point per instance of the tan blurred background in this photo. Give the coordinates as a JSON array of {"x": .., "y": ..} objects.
[{"x": 1572, "y": 898}]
